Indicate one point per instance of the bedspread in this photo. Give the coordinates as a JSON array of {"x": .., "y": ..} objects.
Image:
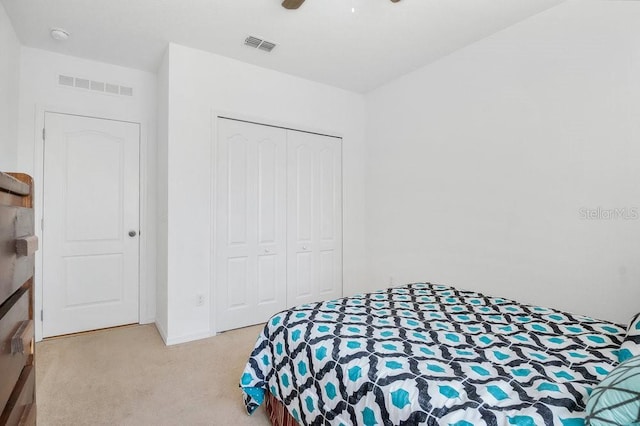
[{"x": 430, "y": 354}]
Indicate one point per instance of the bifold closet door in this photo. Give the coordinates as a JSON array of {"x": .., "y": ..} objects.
[
  {"x": 314, "y": 225},
  {"x": 250, "y": 239}
]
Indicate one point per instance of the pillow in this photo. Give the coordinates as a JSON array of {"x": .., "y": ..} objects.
[
  {"x": 631, "y": 344},
  {"x": 616, "y": 400}
]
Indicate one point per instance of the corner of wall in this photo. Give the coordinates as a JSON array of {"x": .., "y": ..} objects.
[
  {"x": 162, "y": 183},
  {"x": 161, "y": 331}
]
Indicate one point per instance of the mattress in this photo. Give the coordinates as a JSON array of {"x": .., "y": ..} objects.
[{"x": 430, "y": 354}]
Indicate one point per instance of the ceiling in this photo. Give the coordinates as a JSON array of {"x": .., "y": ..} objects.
[{"x": 322, "y": 41}]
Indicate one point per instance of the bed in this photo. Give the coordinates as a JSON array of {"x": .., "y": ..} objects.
[{"x": 429, "y": 354}]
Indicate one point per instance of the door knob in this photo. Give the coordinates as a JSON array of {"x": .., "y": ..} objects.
[
  {"x": 132, "y": 233},
  {"x": 304, "y": 247}
]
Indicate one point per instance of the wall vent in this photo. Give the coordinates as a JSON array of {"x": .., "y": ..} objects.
[
  {"x": 65, "y": 80},
  {"x": 258, "y": 43},
  {"x": 94, "y": 86}
]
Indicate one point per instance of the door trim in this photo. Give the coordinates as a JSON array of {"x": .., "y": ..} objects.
[
  {"x": 213, "y": 200},
  {"x": 146, "y": 301}
]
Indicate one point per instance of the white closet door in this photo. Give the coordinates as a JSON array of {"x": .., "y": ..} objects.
[
  {"x": 250, "y": 223},
  {"x": 314, "y": 228}
]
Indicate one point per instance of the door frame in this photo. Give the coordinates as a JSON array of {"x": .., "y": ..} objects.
[
  {"x": 238, "y": 116},
  {"x": 145, "y": 292}
]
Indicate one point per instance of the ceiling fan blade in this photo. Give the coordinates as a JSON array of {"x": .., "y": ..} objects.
[{"x": 292, "y": 4}]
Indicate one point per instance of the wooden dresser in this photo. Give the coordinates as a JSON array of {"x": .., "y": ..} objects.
[{"x": 18, "y": 244}]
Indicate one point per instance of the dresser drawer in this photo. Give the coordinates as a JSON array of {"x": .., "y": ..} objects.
[
  {"x": 13, "y": 313},
  {"x": 20, "y": 409},
  {"x": 15, "y": 222}
]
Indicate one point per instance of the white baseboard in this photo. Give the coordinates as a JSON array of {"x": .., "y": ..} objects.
[
  {"x": 186, "y": 338},
  {"x": 147, "y": 320},
  {"x": 163, "y": 333}
]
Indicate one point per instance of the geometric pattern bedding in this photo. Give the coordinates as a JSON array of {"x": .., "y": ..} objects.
[{"x": 430, "y": 354}]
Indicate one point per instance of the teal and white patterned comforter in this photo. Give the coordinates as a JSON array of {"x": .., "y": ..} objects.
[{"x": 430, "y": 354}]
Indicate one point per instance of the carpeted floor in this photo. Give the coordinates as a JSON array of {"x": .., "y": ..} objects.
[{"x": 127, "y": 376}]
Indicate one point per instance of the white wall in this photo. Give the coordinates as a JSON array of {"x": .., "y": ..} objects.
[
  {"x": 201, "y": 84},
  {"x": 39, "y": 92},
  {"x": 9, "y": 78},
  {"x": 478, "y": 166}
]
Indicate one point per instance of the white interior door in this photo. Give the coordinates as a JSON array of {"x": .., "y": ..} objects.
[
  {"x": 91, "y": 222},
  {"x": 250, "y": 232},
  {"x": 314, "y": 229}
]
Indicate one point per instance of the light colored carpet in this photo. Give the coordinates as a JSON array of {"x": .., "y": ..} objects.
[{"x": 127, "y": 376}]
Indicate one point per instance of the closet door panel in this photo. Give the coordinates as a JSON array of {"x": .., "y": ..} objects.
[
  {"x": 328, "y": 200},
  {"x": 267, "y": 192},
  {"x": 326, "y": 284},
  {"x": 250, "y": 223},
  {"x": 304, "y": 192},
  {"x": 314, "y": 267},
  {"x": 267, "y": 279},
  {"x": 238, "y": 190},
  {"x": 237, "y": 271},
  {"x": 330, "y": 226}
]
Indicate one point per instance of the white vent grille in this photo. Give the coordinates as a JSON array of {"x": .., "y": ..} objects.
[
  {"x": 83, "y": 83},
  {"x": 65, "y": 80},
  {"x": 252, "y": 41},
  {"x": 95, "y": 86},
  {"x": 113, "y": 88},
  {"x": 126, "y": 91},
  {"x": 267, "y": 46},
  {"x": 258, "y": 43}
]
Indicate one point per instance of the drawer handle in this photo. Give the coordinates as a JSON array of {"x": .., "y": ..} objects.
[
  {"x": 22, "y": 338},
  {"x": 26, "y": 246}
]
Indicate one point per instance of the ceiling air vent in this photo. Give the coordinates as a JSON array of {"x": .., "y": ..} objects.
[
  {"x": 267, "y": 46},
  {"x": 258, "y": 43},
  {"x": 252, "y": 41}
]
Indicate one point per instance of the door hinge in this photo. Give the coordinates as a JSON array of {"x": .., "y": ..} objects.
[
  {"x": 41, "y": 315},
  {"x": 42, "y": 224},
  {"x": 43, "y": 133}
]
